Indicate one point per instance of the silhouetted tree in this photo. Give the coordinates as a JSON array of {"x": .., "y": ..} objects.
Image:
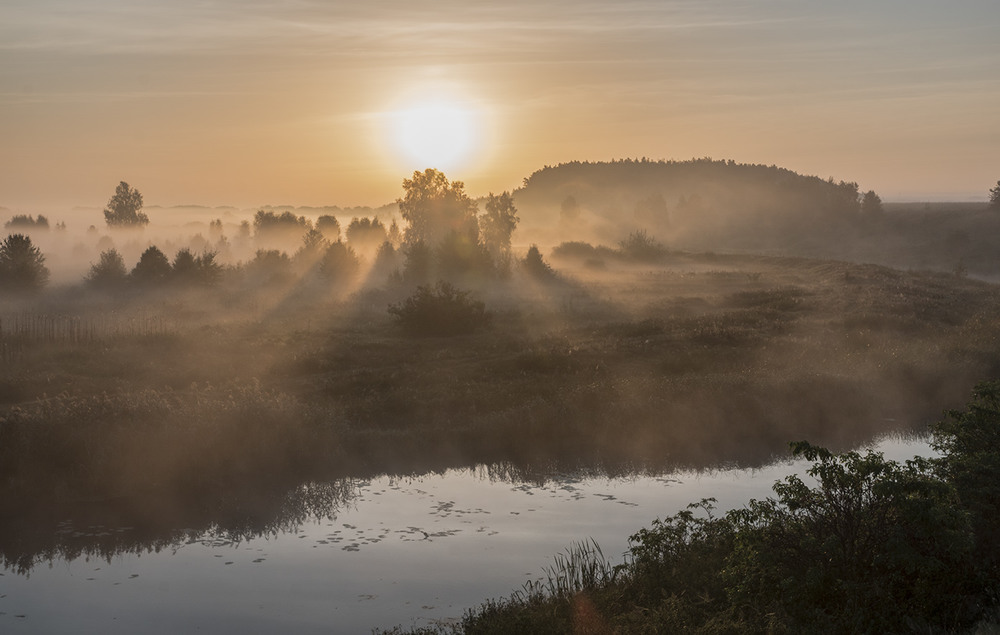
[
  {"x": 109, "y": 272},
  {"x": 871, "y": 204},
  {"x": 153, "y": 267},
  {"x": 535, "y": 266},
  {"x": 440, "y": 311},
  {"x": 190, "y": 269},
  {"x": 458, "y": 255},
  {"x": 269, "y": 266},
  {"x": 314, "y": 245},
  {"x": 339, "y": 262},
  {"x": 433, "y": 207},
  {"x": 124, "y": 208},
  {"x": 393, "y": 235},
  {"x": 330, "y": 227},
  {"x": 22, "y": 221},
  {"x": 496, "y": 226},
  {"x": 419, "y": 263},
  {"x": 366, "y": 233},
  {"x": 995, "y": 197},
  {"x": 22, "y": 265}
]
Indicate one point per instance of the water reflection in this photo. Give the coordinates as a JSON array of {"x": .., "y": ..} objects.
[{"x": 345, "y": 555}]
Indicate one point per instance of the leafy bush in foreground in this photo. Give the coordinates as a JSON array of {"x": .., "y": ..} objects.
[
  {"x": 873, "y": 546},
  {"x": 441, "y": 310}
]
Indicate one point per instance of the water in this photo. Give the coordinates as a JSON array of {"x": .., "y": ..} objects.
[{"x": 408, "y": 551}]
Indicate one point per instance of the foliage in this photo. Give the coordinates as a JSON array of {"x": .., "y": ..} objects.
[
  {"x": 535, "y": 266},
  {"x": 641, "y": 246},
  {"x": 108, "y": 272},
  {"x": 459, "y": 255},
  {"x": 124, "y": 209},
  {"x": 23, "y": 221},
  {"x": 441, "y": 310},
  {"x": 190, "y": 269},
  {"x": 995, "y": 197},
  {"x": 22, "y": 265},
  {"x": 497, "y": 224},
  {"x": 871, "y": 204},
  {"x": 153, "y": 267},
  {"x": 269, "y": 266},
  {"x": 330, "y": 227},
  {"x": 434, "y": 207},
  {"x": 968, "y": 442},
  {"x": 873, "y": 546},
  {"x": 339, "y": 262},
  {"x": 266, "y": 221},
  {"x": 366, "y": 233},
  {"x": 876, "y": 547},
  {"x": 418, "y": 264}
]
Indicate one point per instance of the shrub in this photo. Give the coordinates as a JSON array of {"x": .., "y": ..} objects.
[
  {"x": 441, "y": 310},
  {"x": 108, "y": 272},
  {"x": 641, "y": 246}
]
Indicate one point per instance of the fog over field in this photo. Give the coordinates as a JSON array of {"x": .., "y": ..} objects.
[{"x": 396, "y": 301}]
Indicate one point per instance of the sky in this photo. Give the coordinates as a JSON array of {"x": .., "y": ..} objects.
[{"x": 310, "y": 102}]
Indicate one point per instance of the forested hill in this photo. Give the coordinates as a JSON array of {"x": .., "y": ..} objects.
[{"x": 698, "y": 200}]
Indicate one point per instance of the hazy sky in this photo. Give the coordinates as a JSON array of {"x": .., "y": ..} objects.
[{"x": 253, "y": 102}]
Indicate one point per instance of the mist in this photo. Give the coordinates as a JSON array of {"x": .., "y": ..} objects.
[{"x": 623, "y": 318}]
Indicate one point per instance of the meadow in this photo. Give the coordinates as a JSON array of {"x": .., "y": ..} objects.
[{"x": 212, "y": 404}]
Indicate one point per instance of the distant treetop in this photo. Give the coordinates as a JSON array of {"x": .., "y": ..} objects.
[{"x": 124, "y": 208}]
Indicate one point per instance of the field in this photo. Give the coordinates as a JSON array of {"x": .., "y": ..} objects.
[{"x": 212, "y": 406}]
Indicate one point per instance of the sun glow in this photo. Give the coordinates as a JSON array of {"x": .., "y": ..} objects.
[{"x": 436, "y": 134}]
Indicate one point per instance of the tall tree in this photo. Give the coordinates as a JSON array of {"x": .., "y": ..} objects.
[
  {"x": 124, "y": 208},
  {"x": 433, "y": 207},
  {"x": 497, "y": 225}
]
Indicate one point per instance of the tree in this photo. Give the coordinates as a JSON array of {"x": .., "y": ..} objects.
[
  {"x": 366, "y": 233},
  {"x": 995, "y": 197},
  {"x": 124, "y": 208},
  {"x": 22, "y": 265},
  {"x": 109, "y": 271},
  {"x": 871, "y": 204},
  {"x": 330, "y": 227},
  {"x": 433, "y": 207},
  {"x": 153, "y": 267},
  {"x": 569, "y": 210},
  {"x": 441, "y": 310},
  {"x": 497, "y": 225}
]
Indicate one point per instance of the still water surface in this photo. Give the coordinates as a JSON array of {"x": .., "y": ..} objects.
[{"x": 403, "y": 551}]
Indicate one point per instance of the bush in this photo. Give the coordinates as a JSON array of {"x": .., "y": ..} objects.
[
  {"x": 109, "y": 272},
  {"x": 535, "y": 266},
  {"x": 641, "y": 246},
  {"x": 441, "y": 310}
]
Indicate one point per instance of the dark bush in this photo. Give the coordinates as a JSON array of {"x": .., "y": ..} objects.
[
  {"x": 22, "y": 265},
  {"x": 441, "y": 310}
]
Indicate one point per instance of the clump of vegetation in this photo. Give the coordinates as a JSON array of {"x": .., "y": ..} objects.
[
  {"x": 641, "y": 246},
  {"x": 25, "y": 221},
  {"x": 109, "y": 272},
  {"x": 874, "y": 546},
  {"x": 441, "y": 310},
  {"x": 535, "y": 266}
]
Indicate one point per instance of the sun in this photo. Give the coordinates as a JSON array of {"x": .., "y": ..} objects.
[{"x": 436, "y": 134}]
